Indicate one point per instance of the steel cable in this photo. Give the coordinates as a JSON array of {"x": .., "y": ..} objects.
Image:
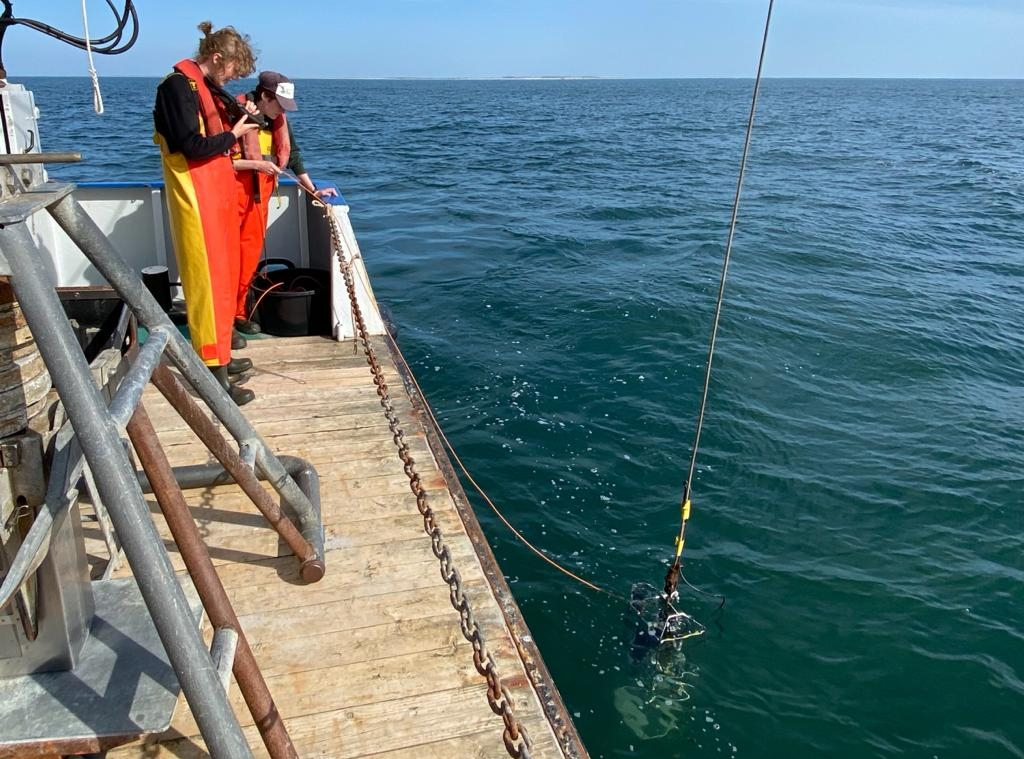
[{"x": 672, "y": 577}]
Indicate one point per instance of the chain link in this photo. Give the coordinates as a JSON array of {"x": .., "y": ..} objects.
[{"x": 517, "y": 742}]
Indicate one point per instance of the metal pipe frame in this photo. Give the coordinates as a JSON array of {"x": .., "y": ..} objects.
[
  {"x": 311, "y": 560},
  {"x": 222, "y": 651},
  {"x": 119, "y": 488},
  {"x": 211, "y": 475},
  {"x": 66, "y": 467},
  {"x": 215, "y": 599},
  {"x": 70, "y": 216},
  {"x": 133, "y": 384},
  {"x": 14, "y": 159}
]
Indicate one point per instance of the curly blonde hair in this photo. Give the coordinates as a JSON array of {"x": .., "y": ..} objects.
[{"x": 232, "y": 46}]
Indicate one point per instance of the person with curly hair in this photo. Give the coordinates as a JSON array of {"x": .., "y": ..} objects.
[{"x": 196, "y": 135}]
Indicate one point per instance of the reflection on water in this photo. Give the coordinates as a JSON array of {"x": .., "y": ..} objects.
[{"x": 656, "y": 704}]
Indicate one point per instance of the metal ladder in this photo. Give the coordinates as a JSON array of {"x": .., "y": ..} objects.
[{"x": 97, "y": 436}]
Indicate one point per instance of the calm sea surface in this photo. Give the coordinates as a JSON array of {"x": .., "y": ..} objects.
[{"x": 551, "y": 251}]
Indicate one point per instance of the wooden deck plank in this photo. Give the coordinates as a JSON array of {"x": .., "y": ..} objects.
[
  {"x": 244, "y": 535},
  {"x": 370, "y": 661},
  {"x": 335, "y": 688},
  {"x": 463, "y": 746},
  {"x": 232, "y": 534},
  {"x": 362, "y": 424},
  {"x": 384, "y": 727}
]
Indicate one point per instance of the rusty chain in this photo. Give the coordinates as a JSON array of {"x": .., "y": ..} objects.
[{"x": 515, "y": 737}]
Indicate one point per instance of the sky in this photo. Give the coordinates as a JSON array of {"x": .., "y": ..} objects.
[{"x": 492, "y": 38}]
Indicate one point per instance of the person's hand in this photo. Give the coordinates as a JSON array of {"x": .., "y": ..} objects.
[
  {"x": 267, "y": 167},
  {"x": 326, "y": 192},
  {"x": 243, "y": 126}
]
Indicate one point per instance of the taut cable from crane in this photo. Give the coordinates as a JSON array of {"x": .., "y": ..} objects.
[{"x": 671, "y": 624}]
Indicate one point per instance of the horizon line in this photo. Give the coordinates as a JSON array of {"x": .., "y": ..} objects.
[{"x": 555, "y": 77}]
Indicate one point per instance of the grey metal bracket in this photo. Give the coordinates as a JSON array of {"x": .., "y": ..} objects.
[
  {"x": 19, "y": 208},
  {"x": 123, "y": 688}
]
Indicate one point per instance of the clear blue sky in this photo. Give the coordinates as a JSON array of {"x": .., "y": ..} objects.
[{"x": 488, "y": 38}]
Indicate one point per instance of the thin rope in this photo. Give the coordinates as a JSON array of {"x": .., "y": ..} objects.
[
  {"x": 688, "y": 487},
  {"x": 97, "y": 96},
  {"x": 447, "y": 443},
  {"x": 476, "y": 486}
]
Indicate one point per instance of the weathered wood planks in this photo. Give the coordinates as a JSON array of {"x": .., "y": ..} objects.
[{"x": 370, "y": 661}]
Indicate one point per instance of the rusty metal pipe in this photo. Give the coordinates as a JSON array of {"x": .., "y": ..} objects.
[
  {"x": 304, "y": 474},
  {"x": 311, "y": 564},
  {"x": 211, "y": 591}
]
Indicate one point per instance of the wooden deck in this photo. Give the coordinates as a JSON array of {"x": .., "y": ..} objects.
[{"x": 370, "y": 661}]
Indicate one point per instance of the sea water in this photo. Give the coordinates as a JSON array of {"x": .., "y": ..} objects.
[{"x": 551, "y": 251}]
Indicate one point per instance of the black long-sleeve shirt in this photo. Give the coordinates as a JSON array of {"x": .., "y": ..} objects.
[{"x": 176, "y": 117}]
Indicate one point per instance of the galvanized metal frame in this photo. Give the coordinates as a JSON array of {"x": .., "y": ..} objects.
[
  {"x": 119, "y": 488},
  {"x": 117, "y": 485},
  {"x": 76, "y": 223}
]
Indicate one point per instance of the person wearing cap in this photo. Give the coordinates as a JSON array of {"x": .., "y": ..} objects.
[{"x": 259, "y": 160}]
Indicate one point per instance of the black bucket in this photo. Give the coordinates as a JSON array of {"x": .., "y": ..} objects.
[{"x": 291, "y": 302}]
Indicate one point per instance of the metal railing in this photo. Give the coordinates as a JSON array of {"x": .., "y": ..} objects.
[{"x": 94, "y": 440}]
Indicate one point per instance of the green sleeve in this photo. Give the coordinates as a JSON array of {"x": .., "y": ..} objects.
[{"x": 295, "y": 164}]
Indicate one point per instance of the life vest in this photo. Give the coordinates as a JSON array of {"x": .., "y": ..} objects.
[
  {"x": 255, "y": 142},
  {"x": 201, "y": 203},
  {"x": 212, "y": 115}
]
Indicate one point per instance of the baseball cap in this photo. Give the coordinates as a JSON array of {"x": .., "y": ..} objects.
[{"x": 280, "y": 87}]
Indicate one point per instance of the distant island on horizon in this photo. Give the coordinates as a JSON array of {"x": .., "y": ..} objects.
[{"x": 538, "y": 77}]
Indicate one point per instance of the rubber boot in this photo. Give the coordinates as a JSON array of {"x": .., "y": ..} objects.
[
  {"x": 246, "y": 326},
  {"x": 239, "y": 365},
  {"x": 239, "y": 395},
  {"x": 237, "y": 340}
]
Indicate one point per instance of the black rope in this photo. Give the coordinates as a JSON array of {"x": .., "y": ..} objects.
[
  {"x": 672, "y": 577},
  {"x": 111, "y": 44}
]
